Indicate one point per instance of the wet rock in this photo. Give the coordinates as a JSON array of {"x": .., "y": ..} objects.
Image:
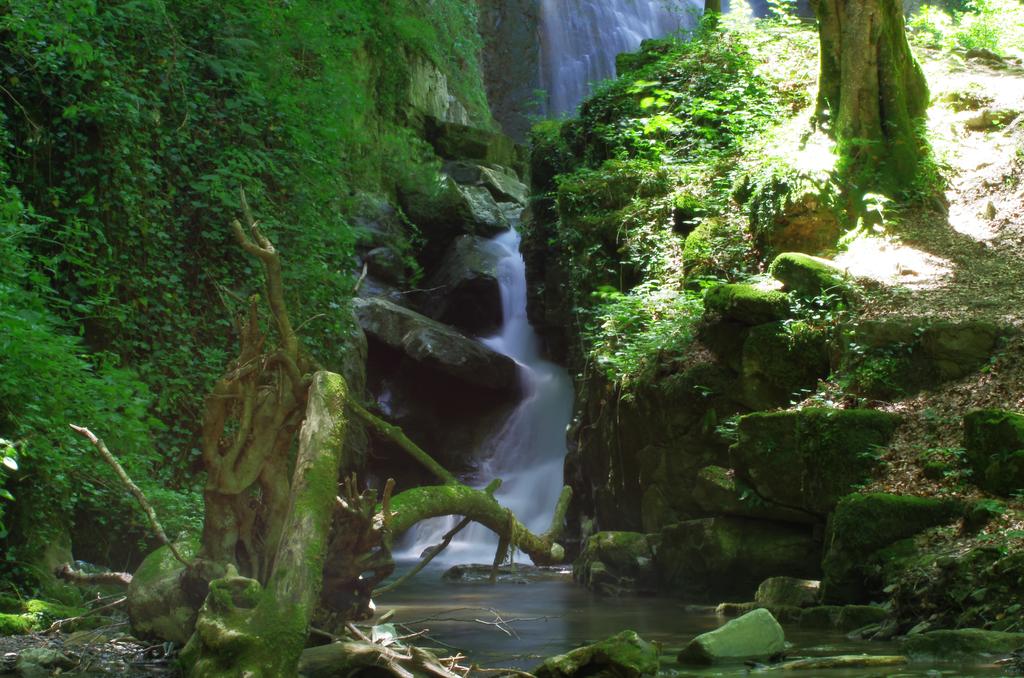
[
  {"x": 961, "y": 643},
  {"x": 613, "y": 563},
  {"x": 435, "y": 346},
  {"x": 41, "y": 661},
  {"x": 788, "y": 591},
  {"x": 781, "y": 362},
  {"x": 464, "y": 290},
  {"x": 501, "y": 182},
  {"x": 809, "y": 276},
  {"x": 847, "y": 661},
  {"x": 158, "y": 604},
  {"x": 485, "y": 216},
  {"x": 994, "y": 440},
  {"x": 714, "y": 491},
  {"x": 624, "y": 655},
  {"x": 720, "y": 558},
  {"x": 386, "y": 264},
  {"x": 506, "y": 574},
  {"x": 808, "y": 459},
  {"x": 746, "y": 304},
  {"x": 754, "y": 635},
  {"x": 865, "y": 523}
]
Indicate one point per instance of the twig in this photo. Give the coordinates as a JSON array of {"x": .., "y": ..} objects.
[
  {"x": 395, "y": 434},
  {"x": 432, "y": 553},
  {"x": 56, "y": 626},
  {"x": 362, "y": 277},
  {"x": 68, "y": 573},
  {"x": 505, "y": 672},
  {"x": 133, "y": 488}
]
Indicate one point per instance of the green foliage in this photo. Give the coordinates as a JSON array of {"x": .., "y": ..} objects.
[
  {"x": 995, "y": 25},
  {"x": 126, "y": 131}
]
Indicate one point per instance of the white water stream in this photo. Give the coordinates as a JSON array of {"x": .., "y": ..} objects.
[
  {"x": 580, "y": 38},
  {"x": 528, "y": 450}
]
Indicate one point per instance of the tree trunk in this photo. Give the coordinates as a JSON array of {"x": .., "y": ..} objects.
[
  {"x": 872, "y": 93},
  {"x": 248, "y": 630},
  {"x": 712, "y": 6}
]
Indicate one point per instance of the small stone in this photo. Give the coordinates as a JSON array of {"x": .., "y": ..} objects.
[{"x": 990, "y": 210}]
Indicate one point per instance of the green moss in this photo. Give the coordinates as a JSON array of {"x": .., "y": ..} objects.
[
  {"x": 865, "y": 523},
  {"x": 810, "y": 458},
  {"x": 624, "y": 655},
  {"x": 809, "y": 276},
  {"x": 961, "y": 643},
  {"x": 790, "y": 210},
  {"x": 781, "y": 363},
  {"x": 713, "y": 249},
  {"x": 994, "y": 440},
  {"x": 747, "y": 304},
  {"x": 16, "y": 625}
]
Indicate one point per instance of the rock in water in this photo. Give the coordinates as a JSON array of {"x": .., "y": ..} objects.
[
  {"x": 754, "y": 635},
  {"x": 788, "y": 591},
  {"x": 624, "y": 655}
]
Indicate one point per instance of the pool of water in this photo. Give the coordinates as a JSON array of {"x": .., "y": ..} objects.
[{"x": 518, "y": 625}]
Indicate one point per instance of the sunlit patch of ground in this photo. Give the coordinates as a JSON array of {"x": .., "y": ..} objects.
[{"x": 887, "y": 261}]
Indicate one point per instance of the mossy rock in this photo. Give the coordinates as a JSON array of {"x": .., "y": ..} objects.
[
  {"x": 624, "y": 655},
  {"x": 756, "y": 634},
  {"x": 613, "y": 563},
  {"x": 782, "y": 362},
  {"x": 714, "y": 491},
  {"x": 727, "y": 557},
  {"x": 994, "y": 440},
  {"x": 747, "y": 304},
  {"x": 788, "y": 591},
  {"x": 650, "y": 52},
  {"x": 19, "y": 616},
  {"x": 809, "y": 276},
  {"x": 961, "y": 644},
  {"x": 159, "y": 604},
  {"x": 455, "y": 141},
  {"x": 809, "y": 459},
  {"x": 865, "y": 523},
  {"x": 790, "y": 211}
]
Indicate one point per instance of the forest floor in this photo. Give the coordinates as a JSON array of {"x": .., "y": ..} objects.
[{"x": 961, "y": 263}]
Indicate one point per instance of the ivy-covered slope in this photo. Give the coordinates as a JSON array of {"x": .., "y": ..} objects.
[{"x": 127, "y": 129}]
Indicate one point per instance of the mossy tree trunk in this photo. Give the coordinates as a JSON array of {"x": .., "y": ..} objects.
[
  {"x": 872, "y": 94},
  {"x": 245, "y": 629}
]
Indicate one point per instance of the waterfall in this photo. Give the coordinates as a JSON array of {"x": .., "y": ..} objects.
[
  {"x": 579, "y": 40},
  {"x": 528, "y": 449}
]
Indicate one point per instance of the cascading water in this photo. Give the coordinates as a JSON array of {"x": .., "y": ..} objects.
[
  {"x": 528, "y": 449},
  {"x": 579, "y": 40}
]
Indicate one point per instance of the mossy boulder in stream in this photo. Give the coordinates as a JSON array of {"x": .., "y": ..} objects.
[
  {"x": 624, "y": 655},
  {"x": 160, "y": 604},
  {"x": 613, "y": 563},
  {"x": 865, "y": 523},
  {"x": 994, "y": 440},
  {"x": 809, "y": 276},
  {"x": 808, "y": 459},
  {"x": 746, "y": 303},
  {"x": 754, "y": 635},
  {"x": 782, "y": 362}
]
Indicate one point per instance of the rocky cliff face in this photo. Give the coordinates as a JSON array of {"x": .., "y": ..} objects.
[{"x": 511, "y": 61}]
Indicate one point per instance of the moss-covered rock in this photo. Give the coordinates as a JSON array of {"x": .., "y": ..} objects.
[
  {"x": 994, "y": 440},
  {"x": 746, "y": 303},
  {"x": 624, "y": 655},
  {"x": 20, "y": 616},
  {"x": 961, "y": 644},
  {"x": 716, "y": 558},
  {"x": 788, "y": 591},
  {"x": 613, "y": 563},
  {"x": 865, "y": 523},
  {"x": 781, "y": 363},
  {"x": 714, "y": 491},
  {"x": 754, "y": 635},
  {"x": 456, "y": 141},
  {"x": 790, "y": 211},
  {"x": 711, "y": 248},
  {"x": 808, "y": 459},
  {"x": 160, "y": 603},
  {"x": 809, "y": 276}
]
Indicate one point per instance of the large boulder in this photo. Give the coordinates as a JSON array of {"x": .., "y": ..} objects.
[
  {"x": 714, "y": 491},
  {"x": 782, "y": 362},
  {"x": 485, "y": 215},
  {"x": 436, "y": 347},
  {"x": 161, "y": 605},
  {"x": 716, "y": 558},
  {"x": 613, "y": 563},
  {"x": 755, "y": 635},
  {"x": 865, "y": 523},
  {"x": 788, "y": 591},
  {"x": 808, "y": 459},
  {"x": 501, "y": 182},
  {"x": 624, "y": 655},
  {"x": 455, "y": 141},
  {"x": 809, "y": 276},
  {"x": 994, "y": 441},
  {"x": 746, "y": 304},
  {"x": 464, "y": 290}
]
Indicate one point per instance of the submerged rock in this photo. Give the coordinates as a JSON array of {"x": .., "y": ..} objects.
[
  {"x": 754, "y": 635},
  {"x": 624, "y": 655}
]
